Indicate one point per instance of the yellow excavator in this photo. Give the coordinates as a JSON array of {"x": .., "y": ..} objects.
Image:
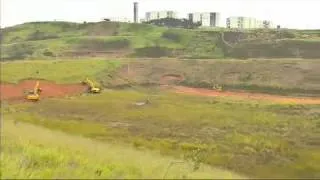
[
  {"x": 92, "y": 87},
  {"x": 217, "y": 87},
  {"x": 35, "y": 94}
]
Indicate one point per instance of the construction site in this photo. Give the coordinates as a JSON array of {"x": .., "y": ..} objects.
[
  {"x": 47, "y": 89},
  {"x": 120, "y": 100}
]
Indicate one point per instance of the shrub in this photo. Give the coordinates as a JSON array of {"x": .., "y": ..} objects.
[
  {"x": 154, "y": 52},
  {"x": 101, "y": 44},
  {"x": 49, "y": 53},
  {"x": 38, "y": 35},
  {"x": 19, "y": 51},
  {"x": 173, "y": 36}
]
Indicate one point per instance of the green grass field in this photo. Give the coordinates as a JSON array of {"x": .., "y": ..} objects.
[
  {"x": 252, "y": 138},
  {"x": 66, "y": 71}
]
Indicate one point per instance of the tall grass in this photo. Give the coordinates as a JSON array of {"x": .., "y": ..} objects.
[{"x": 33, "y": 152}]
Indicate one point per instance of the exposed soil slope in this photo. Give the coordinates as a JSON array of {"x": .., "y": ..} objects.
[
  {"x": 254, "y": 96},
  {"x": 171, "y": 78}
]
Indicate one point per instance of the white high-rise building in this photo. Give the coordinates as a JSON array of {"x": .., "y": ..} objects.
[
  {"x": 151, "y": 16},
  {"x": 160, "y": 15},
  {"x": 195, "y": 17},
  {"x": 207, "y": 19},
  {"x": 119, "y": 19},
  {"x": 240, "y": 22}
]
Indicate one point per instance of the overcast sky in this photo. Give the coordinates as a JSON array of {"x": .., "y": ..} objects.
[{"x": 302, "y": 14}]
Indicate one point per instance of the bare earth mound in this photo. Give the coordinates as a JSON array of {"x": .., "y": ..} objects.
[
  {"x": 254, "y": 96},
  {"x": 171, "y": 78},
  {"x": 49, "y": 89}
]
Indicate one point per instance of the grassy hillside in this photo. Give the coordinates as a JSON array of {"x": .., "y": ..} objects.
[
  {"x": 249, "y": 137},
  {"x": 25, "y": 154},
  {"x": 66, "y": 71},
  {"x": 61, "y": 39}
]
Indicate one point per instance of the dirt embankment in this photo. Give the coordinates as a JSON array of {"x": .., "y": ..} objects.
[
  {"x": 245, "y": 95},
  {"x": 49, "y": 89},
  {"x": 171, "y": 78}
]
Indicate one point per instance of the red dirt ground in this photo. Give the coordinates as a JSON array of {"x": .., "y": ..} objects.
[
  {"x": 49, "y": 89},
  {"x": 243, "y": 95},
  {"x": 16, "y": 92}
]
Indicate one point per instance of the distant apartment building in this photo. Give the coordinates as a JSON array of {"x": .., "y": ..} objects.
[
  {"x": 194, "y": 17},
  {"x": 207, "y": 19},
  {"x": 119, "y": 19},
  {"x": 211, "y": 19},
  {"x": 151, "y": 16},
  {"x": 160, "y": 15},
  {"x": 257, "y": 24},
  {"x": 241, "y": 22}
]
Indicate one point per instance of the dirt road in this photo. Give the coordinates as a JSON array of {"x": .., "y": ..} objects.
[{"x": 244, "y": 95}]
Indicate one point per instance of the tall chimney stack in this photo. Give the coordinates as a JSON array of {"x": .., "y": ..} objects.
[{"x": 135, "y": 12}]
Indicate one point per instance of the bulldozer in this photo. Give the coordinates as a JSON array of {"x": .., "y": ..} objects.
[
  {"x": 35, "y": 94},
  {"x": 92, "y": 88}
]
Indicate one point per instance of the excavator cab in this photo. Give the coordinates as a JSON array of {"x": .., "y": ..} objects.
[
  {"x": 95, "y": 90},
  {"x": 39, "y": 90},
  {"x": 217, "y": 87},
  {"x": 35, "y": 94}
]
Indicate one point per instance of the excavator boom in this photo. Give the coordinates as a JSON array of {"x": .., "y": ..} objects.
[
  {"x": 36, "y": 88},
  {"x": 90, "y": 83},
  {"x": 93, "y": 89}
]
